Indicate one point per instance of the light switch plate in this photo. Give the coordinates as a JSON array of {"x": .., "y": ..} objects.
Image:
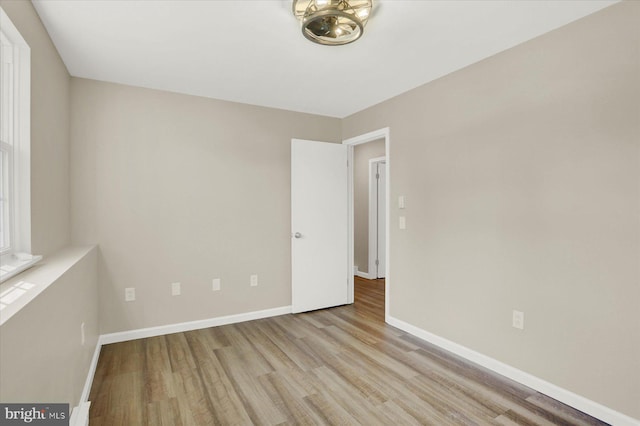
[
  {"x": 175, "y": 289},
  {"x": 401, "y": 202},
  {"x": 215, "y": 284},
  {"x": 403, "y": 222},
  {"x": 129, "y": 294},
  {"x": 518, "y": 320}
]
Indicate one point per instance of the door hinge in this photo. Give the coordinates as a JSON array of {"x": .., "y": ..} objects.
[
  {"x": 377, "y": 175},
  {"x": 377, "y": 262}
]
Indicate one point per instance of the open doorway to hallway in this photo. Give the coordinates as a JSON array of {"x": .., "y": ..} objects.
[
  {"x": 369, "y": 209},
  {"x": 377, "y": 141}
]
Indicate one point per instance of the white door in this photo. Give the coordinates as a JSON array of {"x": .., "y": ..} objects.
[
  {"x": 382, "y": 221},
  {"x": 319, "y": 221}
]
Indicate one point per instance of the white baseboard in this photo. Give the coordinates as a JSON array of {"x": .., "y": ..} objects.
[
  {"x": 361, "y": 274},
  {"x": 80, "y": 415},
  {"x": 583, "y": 404},
  {"x": 84, "y": 398},
  {"x": 142, "y": 333}
]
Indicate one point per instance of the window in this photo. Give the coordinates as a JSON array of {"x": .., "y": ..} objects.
[
  {"x": 6, "y": 142},
  {"x": 15, "y": 197}
]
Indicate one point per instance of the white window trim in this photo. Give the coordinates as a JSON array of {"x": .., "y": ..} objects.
[{"x": 19, "y": 257}]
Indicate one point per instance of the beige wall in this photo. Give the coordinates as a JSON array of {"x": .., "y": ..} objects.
[
  {"x": 179, "y": 188},
  {"x": 41, "y": 359},
  {"x": 50, "y": 227},
  {"x": 41, "y": 355},
  {"x": 361, "y": 156},
  {"x": 522, "y": 180}
]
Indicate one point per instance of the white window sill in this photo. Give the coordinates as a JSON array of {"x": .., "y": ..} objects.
[
  {"x": 15, "y": 263},
  {"x": 17, "y": 292}
]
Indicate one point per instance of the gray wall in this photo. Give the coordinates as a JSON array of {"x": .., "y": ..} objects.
[
  {"x": 41, "y": 359},
  {"x": 522, "y": 180},
  {"x": 361, "y": 156},
  {"x": 178, "y": 188}
]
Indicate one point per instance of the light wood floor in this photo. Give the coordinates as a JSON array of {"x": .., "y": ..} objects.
[{"x": 339, "y": 366}]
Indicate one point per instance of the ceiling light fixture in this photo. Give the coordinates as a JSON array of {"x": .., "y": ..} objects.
[{"x": 332, "y": 22}]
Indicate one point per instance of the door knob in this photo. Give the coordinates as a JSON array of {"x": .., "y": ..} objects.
[{"x": 297, "y": 235}]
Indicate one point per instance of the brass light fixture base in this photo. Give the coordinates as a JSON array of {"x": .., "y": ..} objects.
[{"x": 332, "y": 22}]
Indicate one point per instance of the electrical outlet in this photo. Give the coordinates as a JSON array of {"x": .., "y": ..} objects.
[
  {"x": 82, "y": 334},
  {"x": 518, "y": 320},
  {"x": 254, "y": 280},
  {"x": 129, "y": 294},
  {"x": 215, "y": 286},
  {"x": 175, "y": 289},
  {"x": 402, "y": 222}
]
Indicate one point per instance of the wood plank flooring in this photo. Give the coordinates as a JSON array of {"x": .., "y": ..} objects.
[{"x": 340, "y": 366}]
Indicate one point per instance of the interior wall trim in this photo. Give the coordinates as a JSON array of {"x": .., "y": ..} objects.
[
  {"x": 142, "y": 333},
  {"x": 84, "y": 398},
  {"x": 361, "y": 274},
  {"x": 581, "y": 403}
]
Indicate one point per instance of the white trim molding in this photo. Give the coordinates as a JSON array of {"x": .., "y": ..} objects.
[
  {"x": 578, "y": 402},
  {"x": 84, "y": 398},
  {"x": 20, "y": 129},
  {"x": 359, "y": 273},
  {"x": 372, "y": 213},
  {"x": 80, "y": 415},
  {"x": 142, "y": 333}
]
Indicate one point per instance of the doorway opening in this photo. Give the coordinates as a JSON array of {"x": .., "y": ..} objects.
[{"x": 369, "y": 165}]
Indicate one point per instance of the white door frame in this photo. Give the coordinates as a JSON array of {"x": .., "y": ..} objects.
[
  {"x": 383, "y": 133},
  {"x": 373, "y": 213}
]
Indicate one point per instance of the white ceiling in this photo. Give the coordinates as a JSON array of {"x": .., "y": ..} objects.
[{"x": 253, "y": 51}]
